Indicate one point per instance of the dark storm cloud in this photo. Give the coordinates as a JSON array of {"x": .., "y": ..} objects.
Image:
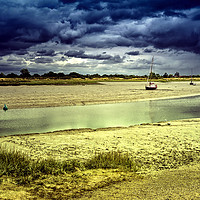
[
  {"x": 13, "y": 59},
  {"x": 6, "y": 68},
  {"x": 27, "y": 23},
  {"x": 81, "y": 54},
  {"x": 21, "y": 52},
  {"x": 43, "y": 60},
  {"x": 196, "y": 17},
  {"x": 114, "y": 60},
  {"x": 49, "y": 52},
  {"x": 148, "y": 50},
  {"x": 22, "y": 26},
  {"x": 133, "y": 53},
  {"x": 68, "y": 1}
]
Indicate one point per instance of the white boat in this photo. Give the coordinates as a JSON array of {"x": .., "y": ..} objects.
[{"x": 150, "y": 85}]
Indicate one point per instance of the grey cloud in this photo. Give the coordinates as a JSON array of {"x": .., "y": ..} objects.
[
  {"x": 21, "y": 52},
  {"x": 74, "y": 53},
  {"x": 43, "y": 60},
  {"x": 49, "y": 52},
  {"x": 107, "y": 58},
  {"x": 73, "y": 21},
  {"x": 114, "y": 60},
  {"x": 158, "y": 24},
  {"x": 147, "y": 50},
  {"x": 133, "y": 53}
]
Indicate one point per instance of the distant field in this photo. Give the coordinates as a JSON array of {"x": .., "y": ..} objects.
[
  {"x": 79, "y": 81},
  {"x": 20, "y": 81}
]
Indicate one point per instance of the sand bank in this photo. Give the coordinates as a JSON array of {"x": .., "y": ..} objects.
[{"x": 107, "y": 92}]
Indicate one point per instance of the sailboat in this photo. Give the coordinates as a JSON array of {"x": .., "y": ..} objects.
[
  {"x": 150, "y": 85},
  {"x": 191, "y": 83}
]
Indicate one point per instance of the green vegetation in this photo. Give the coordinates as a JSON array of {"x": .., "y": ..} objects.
[
  {"x": 52, "y": 179},
  {"x": 22, "y": 167},
  {"x": 112, "y": 160},
  {"x": 73, "y": 78},
  {"x": 79, "y": 81},
  {"x": 20, "y": 81}
]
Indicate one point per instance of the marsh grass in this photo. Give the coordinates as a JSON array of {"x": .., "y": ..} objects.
[
  {"x": 112, "y": 160},
  {"x": 79, "y": 81},
  {"x": 20, "y": 81},
  {"x": 20, "y": 166}
]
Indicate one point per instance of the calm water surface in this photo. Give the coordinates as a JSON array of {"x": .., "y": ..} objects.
[{"x": 38, "y": 120}]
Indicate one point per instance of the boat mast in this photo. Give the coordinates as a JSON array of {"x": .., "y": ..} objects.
[{"x": 150, "y": 74}]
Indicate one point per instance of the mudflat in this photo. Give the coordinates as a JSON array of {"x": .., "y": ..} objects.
[{"x": 105, "y": 92}]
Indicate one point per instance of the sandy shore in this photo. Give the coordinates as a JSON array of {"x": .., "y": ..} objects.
[
  {"x": 156, "y": 146},
  {"x": 107, "y": 92}
]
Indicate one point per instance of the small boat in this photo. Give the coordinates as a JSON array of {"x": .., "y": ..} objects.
[
  {"x": 191, "y": 83},
  {"x": 150, "y": 85},
  {"x": 5, "y": 108}
]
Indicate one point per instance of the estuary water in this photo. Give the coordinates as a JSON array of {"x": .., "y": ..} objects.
[{"x": 40, "y": 120}]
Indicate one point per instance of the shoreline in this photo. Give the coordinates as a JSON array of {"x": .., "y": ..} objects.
[{"x": 146, "y": 143}]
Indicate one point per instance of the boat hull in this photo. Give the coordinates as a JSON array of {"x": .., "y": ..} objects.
[{"x": 150, "y": 88}]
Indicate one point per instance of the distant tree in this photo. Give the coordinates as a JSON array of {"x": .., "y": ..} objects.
[
  {"x": 165, "y": 75},
  {"x": 75, "y": 75},
  {"x": 2, "y": 75},
  {"x": 153, "y": 75},
  {"x": 158, "y": 76},
  {"x": 176, "y": 74},
  {"x": 50, "y": 75},
  {"x": 12, "y": 75},
  {"x": 119, "y": 75},
  {"x": 25, "y": 73},
  {"x": 105, "y": 76},
  {"x": 61, "y": 75},
  {"x": 36, "y": 76},
  {"x": 95, "y": 76}
]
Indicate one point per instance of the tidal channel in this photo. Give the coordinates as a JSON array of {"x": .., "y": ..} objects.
[{"x": 41, "y": 120}]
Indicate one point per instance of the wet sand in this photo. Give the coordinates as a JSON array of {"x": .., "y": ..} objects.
[{"x": 107, "y": 92}]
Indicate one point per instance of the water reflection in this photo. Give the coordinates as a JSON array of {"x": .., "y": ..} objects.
[{"x": 37, "y": 120}]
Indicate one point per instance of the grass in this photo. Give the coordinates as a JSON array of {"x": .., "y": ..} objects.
[
  {"x": 112, "y": 160},
  {"x": 79, "y": 81},
  {"x": 20, "y": 81},
  {"x": 22, "y": 167},
  {"x": 53, "y": 179}
]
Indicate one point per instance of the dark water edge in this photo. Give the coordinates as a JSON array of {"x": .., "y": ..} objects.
[{"x": 41, "y": 120}]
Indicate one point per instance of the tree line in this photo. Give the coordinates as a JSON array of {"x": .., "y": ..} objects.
[{"x": 24, "y": 73}]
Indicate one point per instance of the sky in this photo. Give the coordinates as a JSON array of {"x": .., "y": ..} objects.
[{"x": 104, "y": 37}]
